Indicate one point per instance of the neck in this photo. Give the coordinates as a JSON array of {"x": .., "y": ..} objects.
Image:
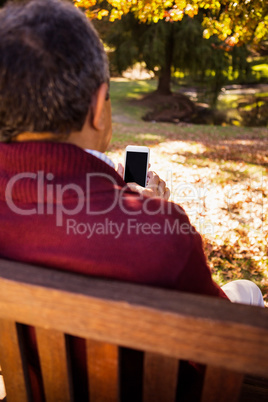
[{"x": 28, "y": 136}]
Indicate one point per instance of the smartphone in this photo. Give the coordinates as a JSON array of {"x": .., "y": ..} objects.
[{"x": 136, "y": 164}]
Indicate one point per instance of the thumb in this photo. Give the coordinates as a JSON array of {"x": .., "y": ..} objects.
[{"x": 120, "y": 170}]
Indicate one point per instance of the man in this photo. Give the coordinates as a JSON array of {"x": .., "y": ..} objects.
[
  {"x": 64, "y": 207},
  {"x": 62, "y": 204}
]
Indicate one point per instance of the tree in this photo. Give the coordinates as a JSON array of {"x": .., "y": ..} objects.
[
  {"x": 169, "y": 47},
  {"x": 171, "y": 34},
  {"x": 163, "y": 46}
]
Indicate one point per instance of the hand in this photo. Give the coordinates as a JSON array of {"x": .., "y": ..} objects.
[{"x": 156, "y": 187}]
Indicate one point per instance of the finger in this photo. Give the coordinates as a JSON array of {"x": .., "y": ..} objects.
[
  {"x": 120, "y": 170},
  {"x": 132, "y": 186},
  {"x": 135, "y": 187},
  {"x": 161, "y": 187},
  {"x": 148, "y": 175},
  {"x": 167, "y": 193},
  {"x": 148, "y": 192},
  {"x": 153, "y": 178}
]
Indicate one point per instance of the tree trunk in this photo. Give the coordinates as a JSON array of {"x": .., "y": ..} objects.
[{"x": 164, "y": 80}]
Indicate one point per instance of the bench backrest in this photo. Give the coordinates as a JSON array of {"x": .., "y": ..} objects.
[{"x": 231, "y": 340}]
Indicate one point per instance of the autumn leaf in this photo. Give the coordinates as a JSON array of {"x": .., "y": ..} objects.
[{"x": 235, "y": 22}]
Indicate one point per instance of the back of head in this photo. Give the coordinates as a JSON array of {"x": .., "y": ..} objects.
[{"x": 51, "y": 64}]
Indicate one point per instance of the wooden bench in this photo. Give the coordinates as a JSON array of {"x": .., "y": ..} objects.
[{"x": 231, "y": 340}]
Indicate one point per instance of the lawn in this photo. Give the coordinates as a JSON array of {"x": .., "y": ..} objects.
[{"x": 218, "y": 175}]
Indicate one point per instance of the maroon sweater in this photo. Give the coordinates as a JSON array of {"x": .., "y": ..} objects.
[
  {"x": 92, "y": 226},
  {"x": 63, "y": 208}
]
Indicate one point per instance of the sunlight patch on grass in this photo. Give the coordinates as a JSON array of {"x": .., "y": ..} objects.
[
  {"x": 120, "y": 90},
  {"x": 262, "y": 69},
  {"x": 228, "y": 101},
  {"x": 193, "y": 148},
  {"x": 124, "y": 91},
  {"x": 150, "y": 137}
]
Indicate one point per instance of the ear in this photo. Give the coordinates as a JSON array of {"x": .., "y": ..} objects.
[{"x": 97, "y": 108}]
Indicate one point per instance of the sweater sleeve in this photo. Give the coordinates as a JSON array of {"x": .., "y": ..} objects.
[{"x": 196, "y": 275}]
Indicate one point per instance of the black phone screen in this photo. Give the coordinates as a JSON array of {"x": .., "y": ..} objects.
[{"x": 136, "y": 167}]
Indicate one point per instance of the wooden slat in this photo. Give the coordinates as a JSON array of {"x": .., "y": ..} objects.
[
  {"x": 12, "y": 362},
  {"x": 54, "y": 366},
  {"x": 254, "y": 389},
  {"x": 221, "y": 385},
  {"x": 203, "y": 329},
  {"x": 160, "y": 378},
  {"x": 103, "y": 371}
]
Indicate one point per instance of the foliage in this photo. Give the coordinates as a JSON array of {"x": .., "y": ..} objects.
[
  {"x": 169, "y": 47},
  {"x": 162, "y": 46},
  {"x": 232, "y": 21},
  {"x": 170, "y": 36},
  {"x": 134, "y": 41}
]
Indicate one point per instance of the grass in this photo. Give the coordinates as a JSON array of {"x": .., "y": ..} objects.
[
  {"x": 260, "y": 66},
  {"x": 225, "y": 168},
  {"x": 123, "y": 89}
]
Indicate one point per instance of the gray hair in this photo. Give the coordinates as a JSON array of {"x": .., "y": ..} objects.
[{"x": 51, "y": 64}]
